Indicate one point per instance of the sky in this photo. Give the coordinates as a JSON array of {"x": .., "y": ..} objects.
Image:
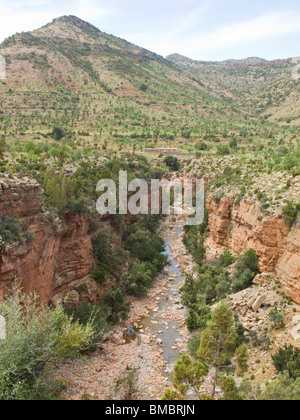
[{"x": 199, "y": 29}]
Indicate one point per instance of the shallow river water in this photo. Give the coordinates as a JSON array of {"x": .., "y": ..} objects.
[{"x": 159, "y": 323}]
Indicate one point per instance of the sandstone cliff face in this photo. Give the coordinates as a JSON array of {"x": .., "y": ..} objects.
[
  {"x": 242, "y": 227},
  {"x": 58, "y": 258},
  {"x": 288, "y": 267}
]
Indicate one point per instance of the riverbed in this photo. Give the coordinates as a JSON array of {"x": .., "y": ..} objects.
[{"x": 151, "y": 341}]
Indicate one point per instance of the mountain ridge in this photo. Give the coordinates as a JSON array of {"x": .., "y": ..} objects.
[{"x": 268, "y": 87}]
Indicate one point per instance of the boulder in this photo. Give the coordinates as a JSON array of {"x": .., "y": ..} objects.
[
  {"x": 262, "y": 278},
  {"x": 258, "y": 303},
  {"x": 251, "y": 302}
]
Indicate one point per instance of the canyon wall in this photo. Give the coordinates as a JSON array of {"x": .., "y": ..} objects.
[
  {"x": 60, "y": 255},
  {"x": 241, "y": 227}
]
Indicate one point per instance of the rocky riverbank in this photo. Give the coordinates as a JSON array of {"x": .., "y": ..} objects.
[{"x": 159, "y": 339}]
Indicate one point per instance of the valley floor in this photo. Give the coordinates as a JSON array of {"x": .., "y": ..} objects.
[{"x": 162, "y": 336}]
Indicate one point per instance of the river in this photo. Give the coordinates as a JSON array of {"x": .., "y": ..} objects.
[{"x": 150, "y": 343}]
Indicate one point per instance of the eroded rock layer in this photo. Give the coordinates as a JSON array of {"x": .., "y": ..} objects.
[
  {"x": 60, "y": 254},
  {"x": 244, "y": 226}
]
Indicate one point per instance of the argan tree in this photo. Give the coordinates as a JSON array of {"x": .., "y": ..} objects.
[
  {"x": 218, "y": 350},
  {"x": 218, "y": 347}
]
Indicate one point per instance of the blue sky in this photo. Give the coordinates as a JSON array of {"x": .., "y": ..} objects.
[{"x": 200, "y": 29}]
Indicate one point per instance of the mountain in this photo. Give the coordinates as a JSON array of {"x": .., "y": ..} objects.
[
  {"x": 266, "y": 87},
  {"x": 72, "y": 57},
  {"x": 107, "y": 91}
]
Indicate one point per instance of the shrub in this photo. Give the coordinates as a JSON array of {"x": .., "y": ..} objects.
[
  {"x": 57, "y": 133},
  {"x": 287, "y": 360},
  {"x": 201, "y": 145},
  {"x": 277, "y": 319},
  {"x": 223, "y": 150},
  {"x": 173, "y": 163},
  {"x": 59, "y": 189},
  {"x": 290, "y": 212},
  {"x": 87, "y": 314},
  {"x": 144, "y": 87},
  {"x": 117, "y": 306},
  {"x": 226, "y": 259},
  {"x": 12, "y": 230},
  {"x": 139, "y": 279},
  {"x": 246, "y": 268},
  {"x": 36, "y": 336},
  {"x": 282, "y": 389}
]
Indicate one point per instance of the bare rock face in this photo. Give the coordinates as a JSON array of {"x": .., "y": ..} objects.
[
  {"x": 59, "y": 255},
  {"x": 288, "y": 267},
  {"x": 241, "y": 227}
]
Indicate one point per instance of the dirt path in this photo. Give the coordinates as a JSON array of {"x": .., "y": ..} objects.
[{"x": 162, "y": 336}]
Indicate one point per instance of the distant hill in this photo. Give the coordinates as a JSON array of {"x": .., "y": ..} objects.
[{"x": 264, "y": 87}]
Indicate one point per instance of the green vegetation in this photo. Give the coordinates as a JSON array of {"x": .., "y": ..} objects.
[
  {"x": 172, "y": 163},
  {"x": 36, "y": 338},
  {"x": 97, "y": 102},
  {"x": 291, "y": 212},
  {"x": 245, "y": 270},
  {"x": 12, "y": 230},
  {"x": 287, "y": 360},
  {"x": 219, "y": 350},
  {"x": 132, "y": 265},
  {"x": 214, "y": 282},
  {"x": 59, "y": 190}
]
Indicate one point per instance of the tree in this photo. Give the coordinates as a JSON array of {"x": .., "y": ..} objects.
[
  {"x": 287, "y": 360},
  {"x": 245, "y": 270},
  {"x": 201, "y": 145},
  {"x": 230, "y": 390},
  {"x": 218, "y": 349},
  {"x": 144, "y": 87},
  {"x": 117, "y": 306},
  {"x": 138, "y": 280},
  {"x": 59, "y": 190},
  {"x": 57, "y": 133},
  {"x": 172, "y": 162},
  {"x": 188, "y": 374},
  {"x": 219, "y": 344}
]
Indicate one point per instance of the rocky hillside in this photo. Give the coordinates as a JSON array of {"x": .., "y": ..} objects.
[
  {"x": 73, "y": 62},
  {"x": 242, "y": 227},
  {"x": 266, "y": 88},
  {"x": 55, "y": 258}
]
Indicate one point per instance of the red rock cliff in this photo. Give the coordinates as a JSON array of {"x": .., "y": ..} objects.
[
  {"x": 59, "y": 256},
  {"x": 241, "y": 227}
]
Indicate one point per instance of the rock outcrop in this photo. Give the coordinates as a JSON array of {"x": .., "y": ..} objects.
[
  {"x": 244, "y": 226},
  {"x": 59, "y": 256},
  {"x": 288, "y": 267}
]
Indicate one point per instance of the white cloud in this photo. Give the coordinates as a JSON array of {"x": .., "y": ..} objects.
[
  {"x": 190, "y": 20},
  {"x": 28, "y": 15},
  {"x": 231, "y": 35},
  {"x": 11, "y": 22},
  {"x": 90, "y": 10}
]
